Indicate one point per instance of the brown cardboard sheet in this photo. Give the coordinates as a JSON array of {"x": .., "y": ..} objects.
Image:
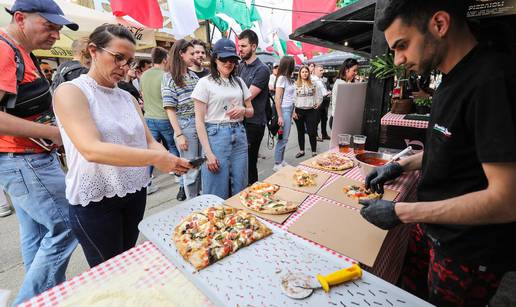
[
  {"x": 342, "y": 230},
  {"x": 335, "y": 192},
  {"x": 308, "y": 162},
  {"x": 283, "y": 193},
  {"x": 285, "y": 178}
]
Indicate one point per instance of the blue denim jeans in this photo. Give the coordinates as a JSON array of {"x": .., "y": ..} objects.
[
  {"x": 228, "y": 142},
  {"x": 279, "y": 151},
  {"x": 36, "y": 185},
  {"x": 108, "y": 227},
  {"x": 162, "y": 130},
  {"x": 191, "y": 180}
]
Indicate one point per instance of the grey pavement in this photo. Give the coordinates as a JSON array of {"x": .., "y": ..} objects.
[{"x": 11, "y": 265}]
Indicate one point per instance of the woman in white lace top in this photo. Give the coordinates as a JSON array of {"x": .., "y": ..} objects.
[{"x": 108, "y": 149}]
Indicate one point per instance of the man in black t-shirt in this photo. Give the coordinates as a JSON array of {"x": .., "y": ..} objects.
[
  {"x": 256, "y": 77},
  {"x": 463, "y": 240}
]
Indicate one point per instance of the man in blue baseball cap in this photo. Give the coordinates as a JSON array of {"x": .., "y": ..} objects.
[{"x": 30, "y": 170}]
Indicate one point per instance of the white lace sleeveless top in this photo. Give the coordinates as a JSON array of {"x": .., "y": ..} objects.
[{"x": 118, "y": 122}]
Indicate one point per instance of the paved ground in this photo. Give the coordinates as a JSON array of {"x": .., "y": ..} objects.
[{"x": 11, "y": 266}]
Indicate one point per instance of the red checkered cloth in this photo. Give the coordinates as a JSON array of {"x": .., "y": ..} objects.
[
  {"x": 391, "y": 119},
  {"x": 159, "y": 271}
]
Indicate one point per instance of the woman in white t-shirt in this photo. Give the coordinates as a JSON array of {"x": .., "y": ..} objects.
[
  {"x": 347, "y": 73},
  {"x": 306, "y": 116},
  {"x": 222, "y": 100},
  {"x": 108, "y": 149},
  {"x": 285, "y": 95}
]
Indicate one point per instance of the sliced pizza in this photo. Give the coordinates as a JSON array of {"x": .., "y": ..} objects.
[
  {"x": 333, "y": 161},
  {"x": 303, "y": 178},
  {"x": 203, "y": 238},
  {"x": 360, "y": 192},
  {"x": 260, "y": 197}
]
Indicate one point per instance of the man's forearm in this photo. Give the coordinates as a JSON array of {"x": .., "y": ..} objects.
[
  {"x": 475, "y": 208},
  {"x": 15, "y": 126},
  {"x": 412, "y": 163}
]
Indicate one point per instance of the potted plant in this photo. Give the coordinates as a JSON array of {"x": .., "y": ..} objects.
[
  {"x": 423, "y": 105},
  {"x": 383, "y": 67}
]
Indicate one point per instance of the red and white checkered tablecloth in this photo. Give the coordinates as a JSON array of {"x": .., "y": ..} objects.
[
  {"x": 391, "y": 119},
  {"x": 159, "y": 271}
]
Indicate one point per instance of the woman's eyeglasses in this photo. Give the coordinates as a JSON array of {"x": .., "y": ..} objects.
[{"x": 120, "y": 59}]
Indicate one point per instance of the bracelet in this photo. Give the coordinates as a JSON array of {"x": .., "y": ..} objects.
[{"x": 180, "y": 134}]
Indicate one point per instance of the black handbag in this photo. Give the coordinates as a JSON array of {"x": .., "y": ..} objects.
[{"x": 272, "y": 117}]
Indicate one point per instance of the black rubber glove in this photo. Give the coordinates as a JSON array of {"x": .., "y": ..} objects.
[
  {"x": 380, "y": 175},
  {"x": 380, "y": 213}
]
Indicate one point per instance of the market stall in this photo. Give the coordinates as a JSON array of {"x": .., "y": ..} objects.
[{"x": 155, "y": 271}]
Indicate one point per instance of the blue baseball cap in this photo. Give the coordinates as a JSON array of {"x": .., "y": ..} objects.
[
  {"x": 225, "y": 48},
  {"x": 47, "y": 9}
]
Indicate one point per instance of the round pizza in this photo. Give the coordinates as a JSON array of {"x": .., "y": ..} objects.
[
  {"x": 207, "y": 236},
  {"x": 360, "y": 192},
  {"x": 260, "y": 197},
  {"x": 332, "y": 161},
  {"x": 303, "y": 178}
]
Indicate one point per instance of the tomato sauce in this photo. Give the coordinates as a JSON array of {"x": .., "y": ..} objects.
[{"x": 374, "y": 161}]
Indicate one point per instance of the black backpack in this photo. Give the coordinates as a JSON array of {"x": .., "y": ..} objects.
[
  {"x": 67, "y": 72},
  {"x": 31, "y": 98}
]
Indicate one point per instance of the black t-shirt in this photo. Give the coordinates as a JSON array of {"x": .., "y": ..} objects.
[
  {"x": 257, "y": 74},
  {"x": 202, "y": 73},
  {"x": 473, "y": 121}
]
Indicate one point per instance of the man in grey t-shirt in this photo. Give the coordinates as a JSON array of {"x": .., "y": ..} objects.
[{"x": 256, "y": 76}]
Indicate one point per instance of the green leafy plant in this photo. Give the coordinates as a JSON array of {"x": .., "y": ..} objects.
[
  {"x": 383, "y": 67},
  {"x": 426, "y": 101}
]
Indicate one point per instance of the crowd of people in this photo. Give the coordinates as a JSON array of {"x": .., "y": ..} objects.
[{"x": 119, "y": 120}]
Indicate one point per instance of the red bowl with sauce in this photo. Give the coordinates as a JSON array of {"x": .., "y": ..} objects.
[{"x": 367, "y": 161}]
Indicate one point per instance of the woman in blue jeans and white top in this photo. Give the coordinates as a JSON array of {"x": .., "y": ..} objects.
[
  {"x": 176, "y": 90},
  {"x": 285, "y": 95},
  {"x": 222, "y": 100},
  {"x": 308, "y": 100},
  {"x": 108, "y": 149}
]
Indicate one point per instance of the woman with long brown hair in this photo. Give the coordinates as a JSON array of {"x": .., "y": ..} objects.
[
  {"x": 308, "y": 99},
  {"x": 284, "y": 97},
  {"x": 176, "y": 91},
  {"x": 347, "y": 73}
]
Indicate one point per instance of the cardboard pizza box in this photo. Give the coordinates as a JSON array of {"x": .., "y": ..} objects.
[
  {"x": 341, "y": 229},
  {"x": 335, "y": 192},
  {"x": 308, "y": 163},
  {"x": 283, "y": 193},
  {"x": 285, "y": 178}
]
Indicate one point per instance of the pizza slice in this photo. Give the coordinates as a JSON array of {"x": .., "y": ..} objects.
[
  {"x": 266, "y": 203},
  {"x": 333, "y": 162},
  {"x": 303, "y": 178},
  {"x": 360, "y": 192},
  {"x": 203, "y": 238}
]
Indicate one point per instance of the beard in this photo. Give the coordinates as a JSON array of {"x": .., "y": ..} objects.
[
  {"x": 246, "y": 56},
  {"x": 433, "y": 54}
]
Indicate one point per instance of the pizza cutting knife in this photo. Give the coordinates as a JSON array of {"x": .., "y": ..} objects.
[{"x": 300, "y": 286}]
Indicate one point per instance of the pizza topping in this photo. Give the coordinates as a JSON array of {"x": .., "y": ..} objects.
[
  {"x": 360, "y": 192},
  {"x": 303, "y": 178}
]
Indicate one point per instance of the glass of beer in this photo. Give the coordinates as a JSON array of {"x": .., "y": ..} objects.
[
  {"x": 359, "y": 144},
  {"x": 344, "y": 141}
]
